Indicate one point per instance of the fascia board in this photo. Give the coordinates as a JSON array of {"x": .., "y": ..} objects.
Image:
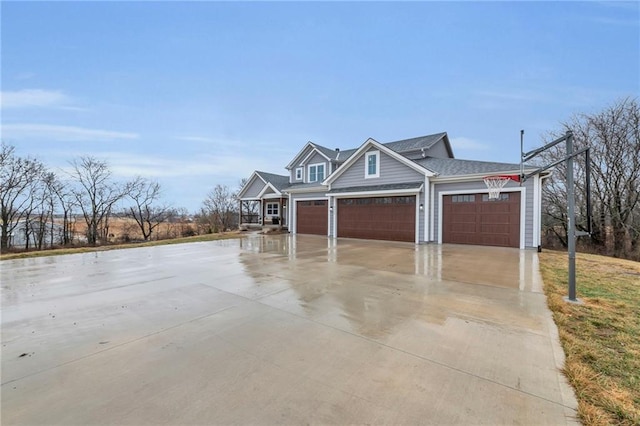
[{"x": 268, "y": 185}]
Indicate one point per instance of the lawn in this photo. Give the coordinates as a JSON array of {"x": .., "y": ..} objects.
[
  {"x": 601, "y": 338},
  {"x": 57, "y": 252}
]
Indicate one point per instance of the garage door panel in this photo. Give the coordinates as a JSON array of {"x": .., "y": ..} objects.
[
  {"x": 472, "y": 219},
  {"x": 378, "y": 218},
  {"x": 311, "y": 217}
]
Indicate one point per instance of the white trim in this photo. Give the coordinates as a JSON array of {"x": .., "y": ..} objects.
[
  {"x": 474, "y": 177},
  {"x": 329, "y": 218},
  {"x": 289, "y": 212},
  {"x": 250, "y": 182},
  {"x": 391, "y": 153},
  {"x": 368, "y": 194},
  {"x": 416, "y": 233},
  {"x": 250, "y": 199},
  {"x": 299, "y": 170},
  {"x": 311, "y": 153},
  {"x": 366, "y": 164},
  {"x": 293, "y": 225},
  {"x": 308, "y": 144},
  {"x": 272, "y": 203},
  {"x": 268, "y": 185},
  {"x": 432, "y": 217},
  {"x": 427, "y": 196},
  {"x": 324, "y": 174},
  {"x": 536, "y": 226},
  {"x": 523, "y": 197}
]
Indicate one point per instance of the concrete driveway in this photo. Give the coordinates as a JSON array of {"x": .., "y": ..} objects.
[{"x": 281, "y": 330}]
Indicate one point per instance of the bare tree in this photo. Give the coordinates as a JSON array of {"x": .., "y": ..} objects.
[
  {"x": 220, "y": 207},
  {"x": 17, "y": 182},
  {"x": 66, "y": 201},
  {"x": 614, "y": 138},
  {"x": 96, "y": 194},
  {"x": 145, "y": 194}
]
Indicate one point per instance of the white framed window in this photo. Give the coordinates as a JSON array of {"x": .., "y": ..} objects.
[
  {"x": 372, "y": 164},
  {"x": 316, "y": 172},
  {"x": 273, "y": 209},
  {"x": 298, "y": 173}
]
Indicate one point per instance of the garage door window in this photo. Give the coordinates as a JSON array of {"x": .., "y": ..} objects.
[{"x": 468, "y": 198}]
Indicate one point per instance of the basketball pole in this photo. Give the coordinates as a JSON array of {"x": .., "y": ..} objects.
[
  {"x": 571, "y": 218},
  {"x": 571, "y": 199}
]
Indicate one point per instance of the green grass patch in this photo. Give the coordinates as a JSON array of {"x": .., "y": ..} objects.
[
  {"x": 75, "y": 250},
  {"x": 601, "y": 338}
]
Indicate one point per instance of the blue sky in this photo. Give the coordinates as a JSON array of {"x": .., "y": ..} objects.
[{"x": 200, "y": 93}]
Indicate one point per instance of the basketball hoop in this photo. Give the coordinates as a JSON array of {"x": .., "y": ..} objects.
[{"x": 496, "y": 183}]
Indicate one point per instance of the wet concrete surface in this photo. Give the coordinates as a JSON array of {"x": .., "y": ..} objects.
[{"x": 281, "y": 330}]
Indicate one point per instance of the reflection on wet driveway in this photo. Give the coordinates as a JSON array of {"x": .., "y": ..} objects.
[{"x": 281, "y": 329}]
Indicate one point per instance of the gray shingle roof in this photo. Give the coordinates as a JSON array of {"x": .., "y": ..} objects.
[
  {"x": 278, "y": 181},
  {"x": 414, "y": 144},
  {"x": 387, "y": 187},
  {"x": 455, "y": 167}
]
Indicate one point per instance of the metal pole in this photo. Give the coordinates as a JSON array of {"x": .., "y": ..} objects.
[
  {"x": 571, "y": 219},
  {"x": 521, "y": 155}
]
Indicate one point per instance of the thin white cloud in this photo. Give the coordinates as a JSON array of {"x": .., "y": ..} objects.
[
  {"x": 29, "y": 98},
  {"x": 61, "y": 133},
  {"x": 194, "y": 139},
  {"x": 467, "y": 144}
]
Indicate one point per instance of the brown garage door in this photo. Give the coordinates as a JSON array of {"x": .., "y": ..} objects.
[
  {"x": 379, "y": 218},
  {"x": 311, "y": 217},
  {"x": 473, "y": 219}
]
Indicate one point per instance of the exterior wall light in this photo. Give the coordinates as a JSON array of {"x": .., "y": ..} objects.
[{"x": 421, "y": 207}]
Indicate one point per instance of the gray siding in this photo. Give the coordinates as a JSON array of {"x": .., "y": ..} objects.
[
  {"x": 317, "y": 195},
  {"x": 479, "y": 186},
  {"x": 254, "y": 188},
  {"x": 391, "y": 171},
  {"x": 292, "y": 175},
  {"x": 439, "y": 150},
  {"x": 301, "y": 156}
]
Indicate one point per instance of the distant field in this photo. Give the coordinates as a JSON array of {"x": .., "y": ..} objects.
[
  {"x": 123, "y": 229},
  {"x": 601, "y": 338}
]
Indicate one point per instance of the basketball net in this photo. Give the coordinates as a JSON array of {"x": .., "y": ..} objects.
[{"x": 496, "y": 183}]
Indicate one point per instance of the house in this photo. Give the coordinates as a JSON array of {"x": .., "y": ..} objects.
[{"x": 409, "y": 190}]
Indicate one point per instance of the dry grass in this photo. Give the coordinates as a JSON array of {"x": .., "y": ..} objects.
[
  {"x": 61, "y": 251},
  {"x": 601, "y": 338}
]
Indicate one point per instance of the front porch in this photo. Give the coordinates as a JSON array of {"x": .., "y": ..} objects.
[{"x": 264, "y": 213}]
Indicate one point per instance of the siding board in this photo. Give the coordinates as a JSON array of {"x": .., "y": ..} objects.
[{"x": 391, "y": 171}]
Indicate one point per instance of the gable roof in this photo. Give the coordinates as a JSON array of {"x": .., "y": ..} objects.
[
  {"x": 277, "y": 181},
  {"x": 456, "y": 167},
  {"x": 417, "y": 143},
  {"x": 325, "y": 152},
  {"x": 391, "y": 153}
]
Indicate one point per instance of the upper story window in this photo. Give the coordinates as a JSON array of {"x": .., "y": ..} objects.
[
  {"x": 299, "y": 173},
  {"x": 372, "y": 164},
  {"x": 316, "y": 172}
]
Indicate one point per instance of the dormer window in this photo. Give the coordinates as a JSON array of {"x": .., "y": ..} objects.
[
  {"x": 316, "y": 172},
  {"x": 372, "y": 164},
  {"x": 299, "y": 173}
]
